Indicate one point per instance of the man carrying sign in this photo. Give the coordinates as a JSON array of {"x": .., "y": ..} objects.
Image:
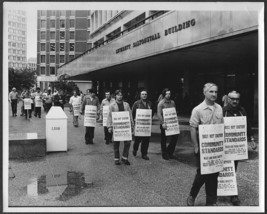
[
  {"x": 166, "y": 102},
  {"x": 143, "y": 103},
  {"x": 38, "y": 102},
  {"x": 233, "y": 109},
  {"x": 91, "y": 99},
  {"x": 119, "y": 106},
  {"x": 207, "y": 112},
  {"x": 75, "y": 104},
  {"x": 106, "y": 102}
]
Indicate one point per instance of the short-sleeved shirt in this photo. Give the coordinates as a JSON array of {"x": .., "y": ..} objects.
[
  {"x": 75, "y": 100},
  {"x": 205, "y": 114}
]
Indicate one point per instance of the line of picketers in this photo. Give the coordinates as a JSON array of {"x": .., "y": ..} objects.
[{"x": 207, "y": 112}]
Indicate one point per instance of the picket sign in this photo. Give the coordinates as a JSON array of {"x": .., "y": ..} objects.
[
  {"x": 143, "y": 122},
  {"x": 121, "y": 126}
]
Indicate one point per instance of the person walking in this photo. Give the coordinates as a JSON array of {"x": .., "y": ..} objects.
[
  {"x": 13, "y": 99},
  {"x": 90, "y": 99},
  {"x": 38, "y": 102},
  {"x": 106, "y": 102},
  {"x": 27, "y": 98},
  {"x": 143, "y": 103},
  {"x": 48, "y": 100},
  {"x": 207, "y": 112},
  {"x": 118, "y": 106},
  {"x": 166, "y": 102},
  {"x": 233, "y": 109},
  {"x": 75, "y": 104}
]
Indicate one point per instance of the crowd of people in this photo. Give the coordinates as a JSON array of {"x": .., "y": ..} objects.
[{"x": 207, "y": 112}]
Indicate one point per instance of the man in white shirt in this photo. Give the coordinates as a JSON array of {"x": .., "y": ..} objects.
[{"x": 75, "y": 104}]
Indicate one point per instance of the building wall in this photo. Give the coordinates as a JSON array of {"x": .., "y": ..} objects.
[
  {"x": 58, "y": 42},
  {"x": 17, "y": 39}
]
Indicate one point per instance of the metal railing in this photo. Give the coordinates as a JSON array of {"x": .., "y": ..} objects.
[{"x": 135, "y": 25}]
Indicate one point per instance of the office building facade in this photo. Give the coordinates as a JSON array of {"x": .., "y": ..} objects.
[
  {"x": 32, "y": 64},
  {"x": 181, "y": 50},
  {"x": 17, "y": 39},
  {"x": 62, "y": 35}
]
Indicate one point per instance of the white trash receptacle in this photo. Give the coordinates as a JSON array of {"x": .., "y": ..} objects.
[{"x": 56, "y": 130}]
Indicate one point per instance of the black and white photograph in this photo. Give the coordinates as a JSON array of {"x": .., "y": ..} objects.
[{"x": 133, "y": 107}]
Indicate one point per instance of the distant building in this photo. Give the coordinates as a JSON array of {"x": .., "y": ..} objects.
[
  {"x": 17, "y": 39},
  {"x": 62, "y": 35},
  {"x": 32, "y": 64}
]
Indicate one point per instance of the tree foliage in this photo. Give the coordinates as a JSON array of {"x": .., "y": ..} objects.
[
  {"x": 66, "y": 86},
  {"x": 21, "y": 79}
]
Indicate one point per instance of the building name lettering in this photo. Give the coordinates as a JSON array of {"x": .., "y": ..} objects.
[
  {"x": 180, "y": 27},
  {"x": 155, "y": 36}
]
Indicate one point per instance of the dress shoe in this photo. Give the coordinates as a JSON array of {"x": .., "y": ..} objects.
[
  {"x": 145, "y": 157},
  {"x": 134, "y": 153},
  {"x": 165, "y": 157},
  {"x": 190, "y": 201},
  {"x": 171, "y": 156},
  {"x": 125, "y": 161},
  {"x": 107, "y": 142},
  {"x": 235, "y": 201},
  {"x": 117, "y": 162}
]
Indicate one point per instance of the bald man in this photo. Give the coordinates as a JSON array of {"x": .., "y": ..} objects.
[{"x": 207, "y": 112}]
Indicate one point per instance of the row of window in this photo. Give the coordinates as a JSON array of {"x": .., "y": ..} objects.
[
  {"x": 18, "y": 45},
  {"x": 62, "y": 35},
  {"x": 14, "y": 51},
  {"x": 61, "y": 12},
  {"x": 52, "y": 71},
  {"x": 61, "y": 47},
  {"x": 17, "y": 25},
  {"x": 17, "y": 12},
  {"x": 18, "y": 38},
  {"x": 16, "y": 18},
  {"x": 16, "y": 31},
  {"x": 17, "y": 65},
  {"x": 62, "y": 23},
  {"x": 52, "y": 58},
  {"x": 18, "y": 58}
]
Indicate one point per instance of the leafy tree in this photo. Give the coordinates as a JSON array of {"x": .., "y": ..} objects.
[
  {"x": 21, "y": 79},
  {"x": 66, "y": 86}
]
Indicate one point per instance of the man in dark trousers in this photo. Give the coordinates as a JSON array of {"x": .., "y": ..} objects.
[
  {"x": 207, "y": 112},
  {"x": 233, "y": 109},
  {"x": 90, "y": 99},
  {"x": 143, "y": 103},
  {"x": 13, "y": 99},
  {"x": 166, "y": 102}
]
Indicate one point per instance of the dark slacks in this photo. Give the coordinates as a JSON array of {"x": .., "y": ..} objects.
[
  {"x": 167, "y": 150},
  {"x": 38, "y": 111},
  {"x": 144, "y": 144},
  {"x": 125, "y": 152},
  {"x": 89, "y": 134},
  {"x": 14, "y": 104},
  {"x": 26, "y": 111},
  {"x": 108, "y": 136},
  {"x": 210, "y": 181}
]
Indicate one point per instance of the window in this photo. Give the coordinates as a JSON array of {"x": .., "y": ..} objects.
[
  {"x": 9, "y": 51},
  {"x": 72, "y": 23},
  {"x": 53, "y": 12},
  {"x": 42, "y": 58},
  {"x": 23, "y": 33},
  {"x": 62, "y": 23},
  {"x": 71, "y": 57},
  {"x": 14, "y": 51},
  {"x": 62, "y": 12},
  {"x": 89, "y": 22},
  {"x": 52, "y": 58},
  {"x": 9, "y": 23},
  {"x": 62, "y": 58},
  {"x": 43, "y": 23},
  {"x": 71, "y": 46},
  {"x": 62, "y": 35},
  {"x": 52, "y": 71},
  {"x": 42, "y": 70},
  {"x": 72, "y": 12},
  {"x": 42, "y": 35},
  {"x": 14, "y": 44},
  {"x": 71, "y": 35},
  {"x": 42, "y": 46},
  {"x": 52, "y": 35},
  {"x": 88, "y": 32},
  {"x": 42, "y": 12},
  {"x": 62, "y": 47},
  {"x": 52, "y": 23},
  {"x": 9, "y": 36},
  {"x": 52, "y": 47}
]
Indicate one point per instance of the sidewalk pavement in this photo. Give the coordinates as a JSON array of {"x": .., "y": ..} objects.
[{"x": 86, "y": 176}]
